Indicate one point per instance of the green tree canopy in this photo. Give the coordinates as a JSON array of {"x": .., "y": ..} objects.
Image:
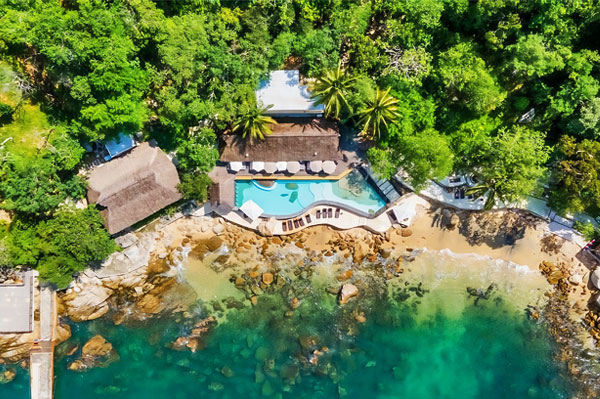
[
  {"x": 63, "y": 245},
  {"x": 575, "y": 176},
  {"x": 466, "y": 80}
]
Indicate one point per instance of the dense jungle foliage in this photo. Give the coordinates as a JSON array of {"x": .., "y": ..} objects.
[{"x": 507, "y": 90}]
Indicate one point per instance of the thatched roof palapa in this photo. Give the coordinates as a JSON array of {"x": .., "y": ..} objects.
[
  {"x": 300, "y": 140},
  {"x": 131, "y": 188}
]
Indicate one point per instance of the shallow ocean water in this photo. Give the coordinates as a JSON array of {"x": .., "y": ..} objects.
[{"x": 439, "y": 343}]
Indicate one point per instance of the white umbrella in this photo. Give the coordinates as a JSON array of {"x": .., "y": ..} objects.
[
  {"x": 270, "y": 167},
  {"x": 236, "y": 166},
  {"x": 281, "y": 166},
  {"x": 251, "y": 209},
  {"x": 315, "y": 166},
  {"x": 293, "y": 167},
  {"x": 257, "y": 166},
  {"x": 329, "y": 167}
]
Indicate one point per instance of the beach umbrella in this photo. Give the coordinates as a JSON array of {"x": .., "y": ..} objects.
[
  {"x": 236, "y": 166},
  {"x": 293, "y": 167},
  {"x": 329, "y": 167},
  {"x": 270, "y": 167},
  {"x": 251, "y": 209},
  {"x": 281, "y": 166},
  {"x": 315, "y": 166},
  {"x": 257, "y": 166}
]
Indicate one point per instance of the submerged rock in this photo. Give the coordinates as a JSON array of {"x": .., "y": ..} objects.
[
  {"x": 348, "y": 291},
  {"x": 96, "y": 346},
  {"x": 97, "y": 352},
  {"x": 267, "y": 278},
  {"x": 7, "y": 376}
]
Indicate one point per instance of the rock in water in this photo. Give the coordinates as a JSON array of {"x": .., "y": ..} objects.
[
  {"x": 96, "y": 346},
  {"x": 348, "y": 291},
  {"x": 267, "y": 278},
  {"x": 7, "y": 376}
]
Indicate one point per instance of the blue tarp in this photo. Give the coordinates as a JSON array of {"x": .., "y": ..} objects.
[{"x": 119, "y": 145}]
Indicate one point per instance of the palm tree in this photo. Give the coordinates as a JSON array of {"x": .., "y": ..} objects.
[
  {"x": 255, "y": 123},
  {"x": 490, "y": 188},
  {"x": 383, "y": 110},
  {"x": 330, "y": 90}
]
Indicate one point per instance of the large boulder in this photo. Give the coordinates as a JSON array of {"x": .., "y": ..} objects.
[
  {"x": 595, "y": 278},
  {"x": 97, "y": 352},
  {"x": 346, "y": 292},
  {"x": 87, "y": 302},
  {"x": 96, "y": 346}
]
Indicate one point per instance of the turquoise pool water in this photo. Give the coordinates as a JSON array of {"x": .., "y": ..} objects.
[{"x": 287, "y": 197}]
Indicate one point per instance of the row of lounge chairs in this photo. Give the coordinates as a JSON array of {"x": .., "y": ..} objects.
[{"x": 292, "y": 224}]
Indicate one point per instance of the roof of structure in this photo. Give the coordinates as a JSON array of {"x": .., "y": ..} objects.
[
  {"x": 309, "y": 140},
  {"x": 131, "y": 188},
  {"x": 119, "y": 145},
  {"x": 283, "y": 92}
]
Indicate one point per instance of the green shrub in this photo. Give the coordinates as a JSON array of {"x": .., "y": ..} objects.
[
  {"x": 194, "y": 186},
  {"x": 587, "y": 229}
]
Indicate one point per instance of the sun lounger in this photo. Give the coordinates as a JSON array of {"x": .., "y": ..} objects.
[
  {"x": 308, "y": 219},
  {"x": 337, "y": 213},
  {"x": 290, "y": 226},
  {"x": 329, "y": 213},
  {"x": 392, "y": 216},
  {"x": 296, "y": 224},
  {"x": 301, "y": 222},
  {"x": 318, "y": 214},
  {"x": 284, "y": 226}
]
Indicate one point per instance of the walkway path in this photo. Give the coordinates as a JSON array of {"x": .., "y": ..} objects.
[
  {"x": 346, "y": 220},
  {"x": 42, "y": 354}
]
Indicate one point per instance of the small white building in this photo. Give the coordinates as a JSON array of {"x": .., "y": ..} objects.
[{"x": 286, "y": 96}]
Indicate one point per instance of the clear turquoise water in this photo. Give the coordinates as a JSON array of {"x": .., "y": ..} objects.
[
  {"x": 287, "y": 197},
  {"x": 437, "y": 344}
]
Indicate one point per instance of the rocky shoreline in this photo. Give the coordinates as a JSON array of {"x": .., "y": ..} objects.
[{"x": 144, "y": 280}]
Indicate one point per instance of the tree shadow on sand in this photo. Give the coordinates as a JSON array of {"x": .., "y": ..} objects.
[{"x": 495, "y": 229}]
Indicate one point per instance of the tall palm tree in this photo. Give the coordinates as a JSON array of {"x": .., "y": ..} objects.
[
  {"x": 383, "y": 110},
  {"x": 254, "y": 123},
  {"x": 330, "y": 90}
]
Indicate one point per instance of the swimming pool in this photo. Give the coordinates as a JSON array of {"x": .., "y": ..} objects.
[{"x": 288, "y": 197}]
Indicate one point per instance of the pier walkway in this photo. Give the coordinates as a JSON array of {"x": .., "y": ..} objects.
[{"x": 41, "y": 356}]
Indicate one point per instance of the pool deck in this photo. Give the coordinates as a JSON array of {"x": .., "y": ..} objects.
[{"x": 346, "y": 220}]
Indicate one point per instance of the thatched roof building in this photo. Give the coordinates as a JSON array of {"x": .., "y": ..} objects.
[
  {"x": 298, "y": 140},
  {"x": 133, "y": 187}
]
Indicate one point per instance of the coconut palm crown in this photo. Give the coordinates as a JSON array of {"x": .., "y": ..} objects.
[
  {"x": 254, "y": 123},
  {"x": 382, "y": 111},
  {"x": 330, "y": 90}
]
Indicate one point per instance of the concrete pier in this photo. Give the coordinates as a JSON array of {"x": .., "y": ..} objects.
[{"x": 41, "y": 356}]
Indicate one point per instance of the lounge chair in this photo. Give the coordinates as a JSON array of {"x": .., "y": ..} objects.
[
  {"x": 392, "y": 216},
  {"x": 296, "y": 224},
  {"x": 337, "y": 213},
  {"x": 308, "y": 219},
  {"x": 284, "y": 226},
  {"x": 301, "y": 222},
  {"x": 290, "y": 226},
  {"x": 318, "y": 214},
  {"x": 329, "y": 213}
]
